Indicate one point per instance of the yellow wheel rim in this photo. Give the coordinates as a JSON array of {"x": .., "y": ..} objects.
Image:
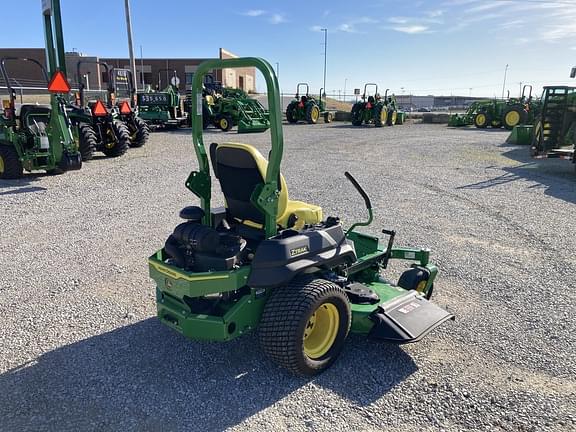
[
  {"x": 1, "y": 165},
  {"x": 321, "y": 330},
  {"x": 421, "y": 286},
  {"x": 223, "y": 123},
  {"x": 481, "y": 119},
  {"x": 383, "y": 116},
  {"x": 512, "y": 118},
  {"x": 394, "y": 115},
  {"x": 315, "y": 113}
]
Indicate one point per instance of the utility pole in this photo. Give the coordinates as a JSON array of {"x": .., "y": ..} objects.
[
  {"x": 325, "y": 49},
  {"x": 345, "y": 82},
  {"x": 142, "y": 68},
  {"x": 129, "y": 30},
  {"x": 278, "y": 71},
  {"x": 504, "y": 84}
]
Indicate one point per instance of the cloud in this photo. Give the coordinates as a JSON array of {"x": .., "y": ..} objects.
[
  {"x": 254, "y": 13},
  {"x": 398, "y": 20},
  {"x": 411, "y": 29},
  {"x": 316, "y": 28},
  {"x": 277, "y": 19},
  {"x": 435, "y": 13},
  {"x": 347, "y": 28}
]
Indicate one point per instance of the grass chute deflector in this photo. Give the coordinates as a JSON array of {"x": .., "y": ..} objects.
[{"x": 265, "y": 197}]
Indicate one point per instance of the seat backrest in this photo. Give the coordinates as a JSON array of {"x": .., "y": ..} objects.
[{"x": 240, "y": 168}]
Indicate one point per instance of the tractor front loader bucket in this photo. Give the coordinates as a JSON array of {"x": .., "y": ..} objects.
[{"x": 458, "y": 120}]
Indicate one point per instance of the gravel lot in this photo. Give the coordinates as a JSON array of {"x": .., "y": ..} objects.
[{"x": 80, "y": 348}]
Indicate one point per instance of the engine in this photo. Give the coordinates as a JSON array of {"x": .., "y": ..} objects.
[{"x": 200, "y": 248}]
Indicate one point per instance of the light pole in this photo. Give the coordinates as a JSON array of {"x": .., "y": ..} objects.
[
  {"x": 345, "y": 81},
  {"x": 278, "y": 70},
  {"x": 129, "y": 30},
  {"x": 504, "y": 83},
  {"x": 325, "y": 49},
  {"x": 141, "y": 67}
]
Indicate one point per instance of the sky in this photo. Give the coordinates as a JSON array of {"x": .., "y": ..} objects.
[{"x": 439, "y": 47}]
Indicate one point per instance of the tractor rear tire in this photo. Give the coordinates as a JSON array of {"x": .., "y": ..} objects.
[
  {"x": 481, "y": 120},
  {"x": 356, "y": 114},
  {"x": 304, "y": 325},
  {"x": 291, "y": 113},
  {"x": 381, "y": 115},
  {"x": 122, "y": 135},
  {"x": 86, "y": 141},
  {"x": 10, "y": 165},
  {"x": 312, "y": 113},
  {"x": 514, "y": 116},
  {"x": 141, "y": 135}
]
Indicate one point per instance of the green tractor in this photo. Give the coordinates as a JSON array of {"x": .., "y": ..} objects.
[
  {"x": 274, "y": 265},
  {"x": 554, "y": 131},
  {"x": 508, "y": 113},
  {"x": 307, "y": 108},
  {"x": 123, "y": 101},
  {"x": 39, "y": 137},
  {"x": 374, "y": 109},
  {"x": 96, "y": 121},
  {"x": 226, "y": 112},
  {"x": 163, "y": 108},
  {"x": 36, "y": 137}
]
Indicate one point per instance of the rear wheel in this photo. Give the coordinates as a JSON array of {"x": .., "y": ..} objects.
[
  {"x": 10, "y": 165},
  {"x": 392, "y": 118},
  {"x": 304, "y": 325},
  {"x": 86, "y": 141},
  {"x": 312, "y": 113},
  {"x": 141, "y": 134},
  {"x": 118, "y": 139},
  {"x": 481, "y": 120},
  {"x": 356, "y": 114},
  {"x": 291, "y": 113},
  {"x": 513, "y": 116}
]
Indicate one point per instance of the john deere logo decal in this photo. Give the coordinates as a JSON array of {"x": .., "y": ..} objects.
[{"x": 299, "y": 251}]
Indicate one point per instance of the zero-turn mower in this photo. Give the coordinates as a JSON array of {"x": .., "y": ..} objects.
[
  {"x": 270, "y": 264},
  {"x": 374, "y": 109}
]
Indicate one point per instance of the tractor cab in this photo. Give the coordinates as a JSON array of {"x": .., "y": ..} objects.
[{"x": 266, "y": 262}]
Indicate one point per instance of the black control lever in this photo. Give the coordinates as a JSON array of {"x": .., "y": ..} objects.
[{"x": 359, "y": 189}]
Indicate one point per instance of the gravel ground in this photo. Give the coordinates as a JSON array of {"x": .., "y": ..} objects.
[{"x": 81, "y": 349}]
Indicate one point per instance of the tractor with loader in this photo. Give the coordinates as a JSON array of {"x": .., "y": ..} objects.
[
  {"x": 373, "y": 109},
  {"x": 276, "y": 266},
  {"x": 39, "y": 137},
  {"x": 306, "y": 108},
  {"x": 225, "y": 111}
]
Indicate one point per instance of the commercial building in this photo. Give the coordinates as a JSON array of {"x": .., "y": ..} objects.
[{"x": 151, "y": 72}]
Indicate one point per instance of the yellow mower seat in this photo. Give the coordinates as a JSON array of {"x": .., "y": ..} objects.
[{"x": 240, "y": 168}]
